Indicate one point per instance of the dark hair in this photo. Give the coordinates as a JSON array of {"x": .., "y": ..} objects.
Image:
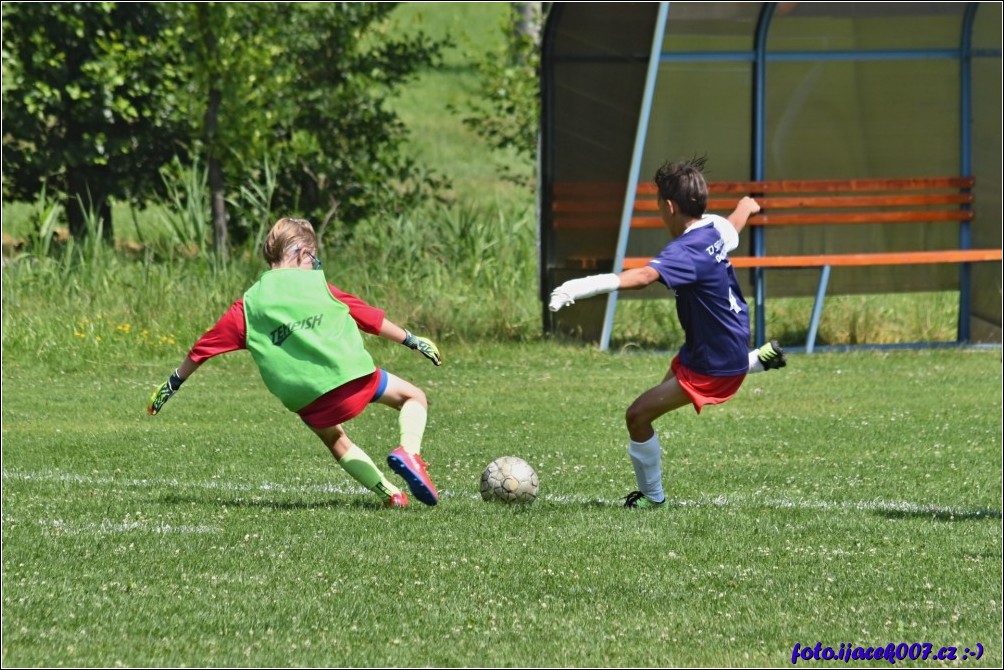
[{"x": 683, "y": 182}]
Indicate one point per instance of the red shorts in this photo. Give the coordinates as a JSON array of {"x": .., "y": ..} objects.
[
  {"x": 703, "y": 389},
  {"x": 344, "y": 402}
]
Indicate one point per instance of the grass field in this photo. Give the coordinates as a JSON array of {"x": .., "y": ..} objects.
[
  {"x": 433, "y": 106},
  {"x": 849, "y": 498}
]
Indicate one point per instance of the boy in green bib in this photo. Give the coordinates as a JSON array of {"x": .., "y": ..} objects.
[{"x": 304, "y": 334}]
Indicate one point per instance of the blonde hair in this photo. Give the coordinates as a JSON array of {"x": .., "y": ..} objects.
[{"x": 286, "y": 235}]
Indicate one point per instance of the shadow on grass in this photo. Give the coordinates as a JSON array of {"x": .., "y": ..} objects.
[
  {"x": 977, "y": 514},
  {"x": 280, "y": 505},
  {"x": 361, "y": 502}
]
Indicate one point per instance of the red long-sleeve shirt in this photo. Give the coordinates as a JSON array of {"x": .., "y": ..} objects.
[{"x": 230, "y": 332}]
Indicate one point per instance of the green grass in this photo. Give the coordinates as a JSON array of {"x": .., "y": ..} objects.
[
  {"x": 851, "y": 497},
  {"x": 433, "y": 106},
  {"x": 880, "y": 319},
  {"x": 847, "y": 498}
]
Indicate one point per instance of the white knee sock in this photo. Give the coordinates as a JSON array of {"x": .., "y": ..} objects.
[
  {"x": 646, "y": 457},
  {"x": 412, "y": 422},
  {"x": 755, "y": 364}
]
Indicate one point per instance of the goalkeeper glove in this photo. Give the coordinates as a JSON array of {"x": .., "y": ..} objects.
[
  {"x": 425, "y": 346},
  {"x": 577, "y": 289},
  {"x": 560, "y": 299},
  {"x": 164, "y": 393}
]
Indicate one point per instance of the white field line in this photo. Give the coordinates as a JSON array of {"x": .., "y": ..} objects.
[
  {"x": 107, "y": 527},
  {"x": 754, "y": 500},
  {"x": 211, "y": 485}
]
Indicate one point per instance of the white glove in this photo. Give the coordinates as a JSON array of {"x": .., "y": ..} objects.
[
  {"x": 587, "y": 287},
  {"x": 559, "y": 299}
]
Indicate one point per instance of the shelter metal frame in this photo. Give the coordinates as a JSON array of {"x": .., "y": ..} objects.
[{"x": 760, "y": 57}]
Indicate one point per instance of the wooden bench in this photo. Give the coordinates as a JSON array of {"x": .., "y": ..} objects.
[{"x": 938, "y": 200}]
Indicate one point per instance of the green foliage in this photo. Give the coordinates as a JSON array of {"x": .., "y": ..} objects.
[
  {"x": 881, "y": 319},
  {"x": 461, "y": 274},
  {"x": 44, "y": 216},
  {"x": 88, "y": 102},
  {"x": 344, "y": 142},
  {"x": 185, "y": 210},
  {"x": 87, "y": 303},
  {"x": 465, "y": 272},
  {"x": 507, "y": 111},
  {"x": 252, "y": 208},
  {"x": 100, "y": 97},
  {"x": 455, "y": 274}
]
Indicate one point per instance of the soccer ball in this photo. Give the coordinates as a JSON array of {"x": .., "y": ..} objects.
[{"x": 509, "y": 480}]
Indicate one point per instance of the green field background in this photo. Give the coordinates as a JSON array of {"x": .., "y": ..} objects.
[
  {"x": 852, "y": 497},
  {"x": 846, "y": 498}
]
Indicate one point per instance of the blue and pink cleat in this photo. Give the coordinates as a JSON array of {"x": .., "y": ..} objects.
[{"x": 412, "y": 469}]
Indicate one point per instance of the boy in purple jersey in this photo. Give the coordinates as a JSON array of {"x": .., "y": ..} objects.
[{"x": 715, "y": 358}]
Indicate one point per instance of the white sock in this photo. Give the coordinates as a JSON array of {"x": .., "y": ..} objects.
[
  {"x": 755, "y": 364},
  {"x": 646, "y": 458},
  {"x": 412, "y": 423}
]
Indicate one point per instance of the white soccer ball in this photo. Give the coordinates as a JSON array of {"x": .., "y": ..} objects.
[{"x": 510, "y": 480}]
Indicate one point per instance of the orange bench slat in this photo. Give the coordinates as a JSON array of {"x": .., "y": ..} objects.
[
  {"x": 889, "y": 258},
  {"x": 791, "y": 203}
]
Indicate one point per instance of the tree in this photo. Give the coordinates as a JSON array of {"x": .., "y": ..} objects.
[
  {"x": 89, "y": 104},
  {"x": 211, "y": 121},
  {"x": 102, "y": 96},
  {"x": 507, "y": 112},
  {"x": 344, "y": 142},
  {"x": 313, "y": 107}
]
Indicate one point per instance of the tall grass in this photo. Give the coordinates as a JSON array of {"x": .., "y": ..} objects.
[
  {"x": 46, "y": 214},
  {"x": 186, "y": 213},
  {"x": 880, "y": 319},
  {"x": 463, "y": 273},
  {"x": 466, "y": 272}
]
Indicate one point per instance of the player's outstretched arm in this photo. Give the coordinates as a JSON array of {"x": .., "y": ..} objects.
[
  {"x": 638, "y": 278},
  {"x": 587, "y": 287},
  {"x": 579, "y": 289},
  {"x": 746, "y": 208},
  {"x": 422, "y": 345},
  {"x": 166, "y": 391}
]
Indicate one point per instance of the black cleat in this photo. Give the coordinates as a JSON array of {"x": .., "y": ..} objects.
[
  {"x": 638, "y": 500},
  {"x": 772, "y": 356}
]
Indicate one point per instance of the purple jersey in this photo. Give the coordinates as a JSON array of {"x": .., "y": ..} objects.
[{"x": 709, "y": 302}]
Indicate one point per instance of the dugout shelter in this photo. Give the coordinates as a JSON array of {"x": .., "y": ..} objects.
[{"x": 770, "y": 91}]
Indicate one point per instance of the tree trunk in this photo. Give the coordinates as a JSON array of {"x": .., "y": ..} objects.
[
  {"x": 527, "y": 23},
  {"x": 88, "y": 210},
  {"x": 218, "y": 203},
  {"x": 217, "y": 185}
]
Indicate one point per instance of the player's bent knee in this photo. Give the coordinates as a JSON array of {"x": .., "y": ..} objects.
[
  {"x": 636, "y": 418},
  {"x": 420, "y": 397}
]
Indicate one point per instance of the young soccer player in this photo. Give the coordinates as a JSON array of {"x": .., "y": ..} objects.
[
  {"x": 304, "y": 335},
  {"x": 715, "y": 357}
]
